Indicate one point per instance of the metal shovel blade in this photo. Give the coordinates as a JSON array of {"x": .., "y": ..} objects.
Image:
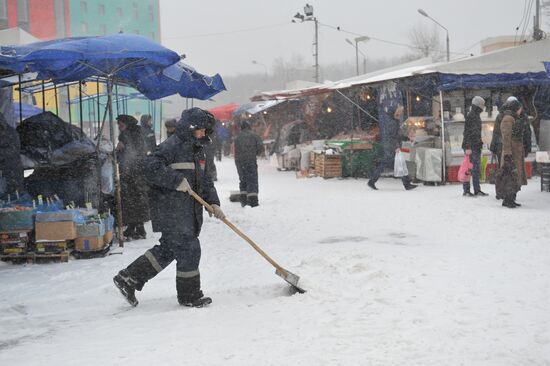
[{"x": 291, "y": 278}]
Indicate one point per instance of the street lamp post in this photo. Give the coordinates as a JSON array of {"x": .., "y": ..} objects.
[
  {"x": 422, "y": 12},
  {"x": 308, "y": 17},
  {"x": 357, "y": 40}
]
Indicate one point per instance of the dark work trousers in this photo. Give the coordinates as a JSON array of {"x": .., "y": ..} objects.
[
  {"x": 475, "y": 159},
  {"x": 186, "y": 250},
  {"x": 248, "y": 177},
  {"x": 387, "y": 162}
]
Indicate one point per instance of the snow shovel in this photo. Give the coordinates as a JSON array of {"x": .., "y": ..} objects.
[{"x": 289, "y": 277}]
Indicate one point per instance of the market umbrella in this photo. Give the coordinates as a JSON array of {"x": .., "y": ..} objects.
[
  {"x": 224, "y": 112},
  {"x": 124, "y": 58}
]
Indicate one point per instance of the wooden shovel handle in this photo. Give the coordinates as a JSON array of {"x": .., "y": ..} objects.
[{"x": 240, "y": 233}]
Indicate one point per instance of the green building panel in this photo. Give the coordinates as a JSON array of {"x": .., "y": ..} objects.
[{"x": 104, "y": 17}]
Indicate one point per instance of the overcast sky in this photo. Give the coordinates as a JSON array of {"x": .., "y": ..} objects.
[{"x": 210, "y": 32}]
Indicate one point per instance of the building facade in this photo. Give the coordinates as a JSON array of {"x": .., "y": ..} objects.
[{"x": 51, "y": 19}]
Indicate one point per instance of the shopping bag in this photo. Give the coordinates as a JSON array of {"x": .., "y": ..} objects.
[
  {"x": 490, "y": 171},
  {"x": 465, "y": 170},
  {"x": 400, "y": 165}
]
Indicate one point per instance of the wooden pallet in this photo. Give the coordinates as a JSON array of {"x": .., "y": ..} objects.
[
  {"x": 92, "y": 253},
  {"x": 36, "y": 258},
  {"x": 328, "y": 166}
]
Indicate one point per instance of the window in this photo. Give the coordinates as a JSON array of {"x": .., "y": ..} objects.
[
  {"x": 153, "y": 35},
  {"x": 119, "y": 12},
  {"x": 23, "y": 14},
  {"x": 101, "y": 9},
  {"x": 83, "y": 7},
  {"x": 135, "y": 13},
  {"x": 151, "y": 13},
  {"x": 3, "y": 14},
  {"x": 103, "y": 29},
  {"x": 84, "y": 28},
  {"x": 59, "y": 7}
]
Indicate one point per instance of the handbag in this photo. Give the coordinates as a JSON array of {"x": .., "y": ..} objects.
[
  {"x": 400, "y": 165},
  {"x": 465, "y": 170},
  {"x": 490, "y": 171}
]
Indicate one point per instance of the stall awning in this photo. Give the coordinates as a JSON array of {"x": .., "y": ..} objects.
[
  {"x": 224, "y": 112},
  {"x": 256, "y": 107}
]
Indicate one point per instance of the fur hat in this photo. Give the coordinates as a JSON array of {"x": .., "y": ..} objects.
[{"x": 126, "y": 119}]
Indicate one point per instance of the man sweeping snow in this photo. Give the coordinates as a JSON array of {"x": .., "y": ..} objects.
[{"x": 175, "y": 167}]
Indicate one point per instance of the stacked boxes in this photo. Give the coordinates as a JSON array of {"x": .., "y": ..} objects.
[
  {"x": 14, "y": 243},
  {"x": 90, "y": 235}
]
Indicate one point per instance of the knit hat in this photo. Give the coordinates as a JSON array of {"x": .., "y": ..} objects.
[
  {"x": 478, "y": 102},
  {"x": 512, "y": 99},
  {"x": 170, "y": 123}
]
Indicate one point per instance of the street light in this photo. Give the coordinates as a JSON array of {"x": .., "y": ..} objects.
[
  {"x": 254, "y": 62},
  {"x": 357, "y": 40},
  {"x": 422, "y": 12},
  {"x": 308, "y": 17}
]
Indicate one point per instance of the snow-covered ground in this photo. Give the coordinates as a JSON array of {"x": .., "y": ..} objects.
[{"x": 425, "y": 277}]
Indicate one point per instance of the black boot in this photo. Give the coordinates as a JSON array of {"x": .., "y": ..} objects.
[
  {"x": 189, "y": 292},
  {"x": 253, "y": 200},
  {"x": 371, "y": 183},
  {"x": 243, "y": 200},
  {"x": 140, "y": 232},
  {"x": 514, "y": 200},
  {"x": 126, "y": 284},
  {"x": 508, "y": 202},
  {"x": 130, "y": 232},
  {"x": 410, "y": 186}
]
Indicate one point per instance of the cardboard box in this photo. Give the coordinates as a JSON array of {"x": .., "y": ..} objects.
[
  {"x": 89, "y": 243},
  {"x": 108, "y": 237},
  {"x": 55, "y": 231},
  {"x": 91, "y": 229}
]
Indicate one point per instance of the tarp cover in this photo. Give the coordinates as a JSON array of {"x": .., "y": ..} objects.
[{"x": 41, "y": 135}]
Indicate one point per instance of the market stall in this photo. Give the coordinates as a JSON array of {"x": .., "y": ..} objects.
[{"x": 129, "y": 60}]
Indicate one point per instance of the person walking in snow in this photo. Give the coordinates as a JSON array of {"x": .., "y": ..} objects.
[
  {"x": 248, "y": 146},
  {"x": 391, "y": 140},
  {"x": 472, "y": 145},
  {"x": 172, "y": 170}
]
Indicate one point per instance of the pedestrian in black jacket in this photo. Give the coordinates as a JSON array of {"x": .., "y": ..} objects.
[
  {"x": 146, "y": 122},
  {"x": 131, "y": 151},
  {"x": 10, "y": 160},
  {"x": 472, "y": 145},
  {"x": 175, "y": 167},
  {"x": 248, "y": 146}
]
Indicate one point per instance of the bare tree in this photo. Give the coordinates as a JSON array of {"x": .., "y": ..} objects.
[{"x": 425, "y": 41}]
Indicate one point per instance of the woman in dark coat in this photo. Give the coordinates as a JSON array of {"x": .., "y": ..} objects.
[
  {"x": 512, "y": 158},
  {"x": 131, "y": 151}
]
